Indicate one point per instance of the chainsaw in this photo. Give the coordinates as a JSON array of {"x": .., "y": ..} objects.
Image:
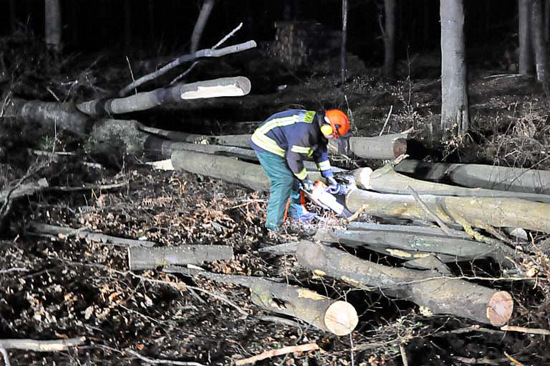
[{"x": 326, "y": 200}]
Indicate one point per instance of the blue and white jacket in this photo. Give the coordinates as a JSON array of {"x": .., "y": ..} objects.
[{"x": 294, "y": 134}]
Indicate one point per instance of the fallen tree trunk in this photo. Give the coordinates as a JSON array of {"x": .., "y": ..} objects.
[
  {"x": 439, "y": 294},
  {"x": 225, "y": 168},
  {"x": 410, "y": 245},
  {"x": 150, "y": 258},
  {"x": 337, "y": 317},
  {"x": 387, "y": 180},
  {"x": 482, "y": 176},
  {"x": 25, "y": 189},
  {"x": 478, "y": 211},
  {"x": 65, "y": 232},
  {"x": 420, "y": 230},
  {"x": 223, "y": 87}
]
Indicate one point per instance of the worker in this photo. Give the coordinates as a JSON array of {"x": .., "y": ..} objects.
[{"x": 282, "y": 143}]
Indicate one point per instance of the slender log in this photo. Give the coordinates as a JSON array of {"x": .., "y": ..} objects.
[
  {"x": 226, "y": 168},
  {"x": 338, "y": 317},
  {"x": 41, "y": 346},
  {"x": 147, "y": 258},
  {"x": 277, "y": 352},
  {"x": 478, "y": 211},
  {"x": 223, "y": 87},
  {"x": 409, "y": 245},
  {"x": 387, "y": 180},
  {"x": 199, "y": 54},
  {"x": 65, "y": 232},
  {"x": 419, "y": 230},
  {"x": 479, "y": 175},
  {"x": 439, "y": 294}
]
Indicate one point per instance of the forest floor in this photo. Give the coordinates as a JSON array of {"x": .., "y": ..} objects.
[{"x": 60, "y": 286}]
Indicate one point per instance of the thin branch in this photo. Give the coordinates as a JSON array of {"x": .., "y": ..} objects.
[
  {"x": 199, "y": 54},
  {"x": 432, "y": 214},
  {"x": 278, "y": 352},
  {"x": 387, "y": 119},
  {"x": 6, "y": 357},
  {"x": 512, "y": 328},
  {"x": 164, "y": 362}
]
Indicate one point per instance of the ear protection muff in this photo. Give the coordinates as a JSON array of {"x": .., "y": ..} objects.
[{"x": 327, "y": 130}]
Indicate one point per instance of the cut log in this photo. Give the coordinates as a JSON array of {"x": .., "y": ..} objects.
[
  {"x": 482, "y": 176},
  {"x": 478, "y": 211},
  {"x": 223, "y": 87},
  {"x": 337, "y": 317},
  {"x": 387, "y": 180},
  {"x": 439, "y": 294},
  {"x": 150, "y": 258},
  {"x": 25, "y": 189},
  {"x": 385, "y": 147},
  {"x": 225, "y": 168},
  {"x": 65, "y": 232},
  {"x": 409, "y": 245}
]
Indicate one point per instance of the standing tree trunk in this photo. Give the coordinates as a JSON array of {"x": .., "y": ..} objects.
[
  {"x": 524, "y": 35},
  {"x": 454, "y": 83},
  {"x": 537, "y": 24},
  {"x": 52, "y": 25},
  {"x": 389, "y": 39},
  {"x": 206, "y": 9},
  {"x": 344, "y": 40}
]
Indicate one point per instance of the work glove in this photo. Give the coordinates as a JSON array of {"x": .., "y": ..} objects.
[
  {"x": 333, "y": 186},
  {"x": 306, "y": 185}
]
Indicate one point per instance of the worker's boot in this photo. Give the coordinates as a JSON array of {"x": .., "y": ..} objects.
[{"x": 298, "y": 210}]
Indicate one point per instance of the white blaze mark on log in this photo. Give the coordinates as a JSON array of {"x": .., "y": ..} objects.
[{"x": 213, "y": 92}]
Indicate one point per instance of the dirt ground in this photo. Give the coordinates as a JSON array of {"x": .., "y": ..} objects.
[{"x": 60, "y": 286}]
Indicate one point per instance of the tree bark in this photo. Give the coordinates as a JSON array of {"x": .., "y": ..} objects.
[
  {"x": 537, "y": 24},
  {"x": 150, "y": 258},
  {"x": 479, "y": 212},
  {"x": 25, "y": 189},
  {"x": 52, "y": 24},
  {"x": 387, "y": 180},
  {"x": 419, "y": 230},
  {"x": 206, "y": 9},
  {"x": 389, "y": 38},
  {"x": 385, "y": 147},
  {"x": 524, "y": 35},
  {"x": 223, "y": 87},
  {"x": 440, "y": 295},
  {"x": 410, "y": 245},
  {"x": 454, "y": 84},
  {"x": 480, "y": 176}
]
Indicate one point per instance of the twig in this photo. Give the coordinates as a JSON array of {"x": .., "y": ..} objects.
[
  {"x": 356, "y": 214},
  {"x": 403, "y": 355},
  {"x": 157, "y": 361},
  {"x": 15, "y": 269},
  {"x": 511, "y": 328},
  {"x": 516, "y": 362},
  {"x": 89, "y": 186},
  {"x": 432, "y": 214},
  {"x": 131, "y": 72},
  {"x": 229, "y": 35},
  {"x": 41, "y": 346},
  {"x": 6, "y": 357},
  {"x": 278, "y": 352},
  {"x": 387, "y": 119}
]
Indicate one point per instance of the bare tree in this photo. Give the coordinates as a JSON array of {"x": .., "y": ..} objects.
[
  {"x": 524, "y": 34},
  {"x": 454, "y": 83},
  {"x": 344, "y": 40},
  {"x": 204, "y": 14},
  {"x": 389, "y": 38},
  {"x": 537, "y": 24},
  {"x": 52, "y": 24}
]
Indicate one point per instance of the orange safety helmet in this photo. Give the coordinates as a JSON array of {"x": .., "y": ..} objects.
[{"x": 339, "y": 123}]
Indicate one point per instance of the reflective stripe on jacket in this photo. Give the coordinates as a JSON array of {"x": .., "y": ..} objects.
[{"x": 294, "y": 134}]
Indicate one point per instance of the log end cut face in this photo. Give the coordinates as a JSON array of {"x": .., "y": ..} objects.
[
  {"x": 341, "y": 318},
  {"x": 500, "y": 308},
  {"x": 399, "y": 147}
]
